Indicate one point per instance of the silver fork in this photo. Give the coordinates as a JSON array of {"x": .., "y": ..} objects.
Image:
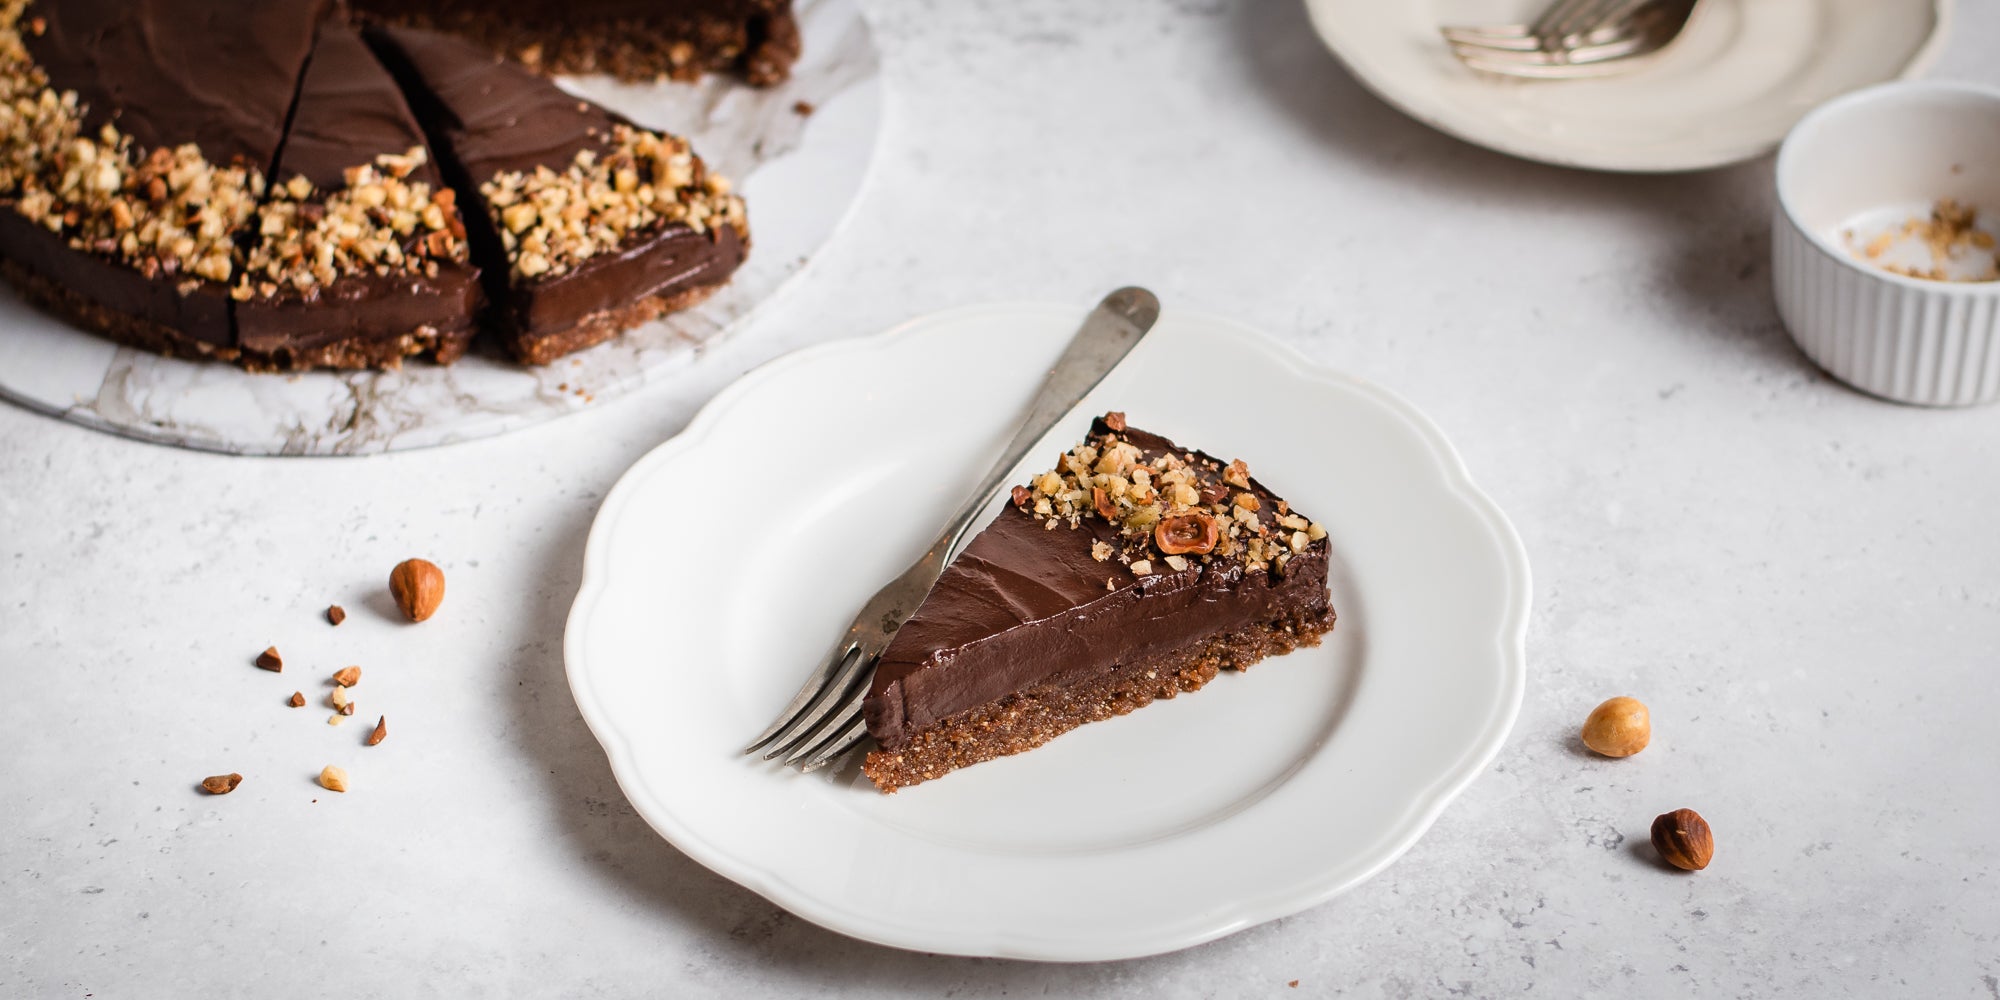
[
  {"x": 823, "y": 721},
  {"x": 1562, "y": 20},
  {"x": 1583, "y": 38}
]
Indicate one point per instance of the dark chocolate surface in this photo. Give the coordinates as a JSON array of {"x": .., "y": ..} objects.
[
  {"x": 495, "y": 115},
  {"x": 350, "y": 110},
  {"x": 219, "y": 74},
  {"x": 1023, "y": 604}
]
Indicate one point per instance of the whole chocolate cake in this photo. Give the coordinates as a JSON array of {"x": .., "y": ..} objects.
[
  {"x": 1134, "y": 570},
  {"x": 261, "y": 182}
]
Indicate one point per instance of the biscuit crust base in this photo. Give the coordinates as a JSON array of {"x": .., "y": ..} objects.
[
  {"x": 543, "y": 348},
  {"x": 1027, "y": 719}
]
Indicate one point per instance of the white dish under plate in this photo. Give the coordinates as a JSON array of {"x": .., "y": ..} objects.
[
  {"x": 726, "y": 560},
  {"x": 1727, "y": 90}
]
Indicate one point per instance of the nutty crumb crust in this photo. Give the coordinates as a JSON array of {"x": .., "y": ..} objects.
[
  {"x": 1027, "y": 719},
  {"x": 169, "y": 212},
  {"x": 1171, "y": 511},
  {"x": 380, "y": 222},
  {"x": 550, "y": 222}
]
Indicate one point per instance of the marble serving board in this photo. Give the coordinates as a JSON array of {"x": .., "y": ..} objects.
[{"x": 798, "y": 152}]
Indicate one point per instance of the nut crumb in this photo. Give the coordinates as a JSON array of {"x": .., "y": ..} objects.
[
  {"x": 221, "y": 784},
  {"x": 335, "y": 719},
  {"x": 270, "y": 660},
  {"x": 1100, "y": 551},
  {"x": 338, "y": 698},
  {"x": 298, "y": 699},
  {"x": 335, "y": 614},
  {"x": 333, "y": 778},
  {"x": 1950, "y": 238},
  {"x": 347, "y": 676},
  {"x": 381, "y": 731},
  {"x": 803, "y": 108},
  {"x": 347, "y": 709},
  {"x": 1237, "y": 475},
  {"x": 1142, "y": 567}
]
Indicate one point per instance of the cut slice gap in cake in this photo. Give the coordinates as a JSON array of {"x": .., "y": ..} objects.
[
  {"x": 1133, "y": 570},
  {"x": 358, "y": 257},
  {"x": 583, "y": 224}
]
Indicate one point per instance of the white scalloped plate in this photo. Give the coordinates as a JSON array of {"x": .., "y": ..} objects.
[
  {"x": 728, "y": 558},
  {"x": 1727, "y": 90}
]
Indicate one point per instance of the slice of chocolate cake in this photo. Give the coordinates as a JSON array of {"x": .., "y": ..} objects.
[
  {"x": 1134, "y": 570},
  {"x": 136, "y": 147},
  {"x": 630, "y": 39},
  {"x": 586, "y": 224},
  {"x": 358, "y": 258}
]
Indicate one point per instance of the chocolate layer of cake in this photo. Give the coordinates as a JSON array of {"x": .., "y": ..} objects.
[
  {"x": 1029, "y": 611},
  {"x": 568, "y": 261},
  {"x": 129, "y": 232},
  {"x": 630, "y": 39},
  {"x": 362, "y": 260}
]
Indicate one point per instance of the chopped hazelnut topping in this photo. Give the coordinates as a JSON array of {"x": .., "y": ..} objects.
[
  {"x": 1164, "y": 507},
  {"x": 335, "y": 614},
  {"x": 381, "y": 731},
  {"x": 1237, "y": 475},
  {"x": 380, "y": 223},
  {"x": 270, "y": 660},
  {"x": 550, "y": 222},
  {"x": 347, "y": 676},
  {"x": 298, "y": 699}
]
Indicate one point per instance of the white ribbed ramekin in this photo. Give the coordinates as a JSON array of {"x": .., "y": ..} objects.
[{"x": 1898, "y": 147}]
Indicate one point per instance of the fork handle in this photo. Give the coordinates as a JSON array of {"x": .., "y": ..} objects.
[{"x": 1107, "y": 335}]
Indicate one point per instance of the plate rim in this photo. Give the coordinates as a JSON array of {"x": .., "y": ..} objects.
[
  {"x": 1319, "y": 13},
  {"x": 1424, "y": 807}
]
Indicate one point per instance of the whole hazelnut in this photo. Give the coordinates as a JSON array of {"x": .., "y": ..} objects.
[
  {"x": 418, "y": 587},
  {"x": 1684, "y": 840},
  {"x": 1183, "y": 533},
  {"x": 1620, "y": 727}
]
